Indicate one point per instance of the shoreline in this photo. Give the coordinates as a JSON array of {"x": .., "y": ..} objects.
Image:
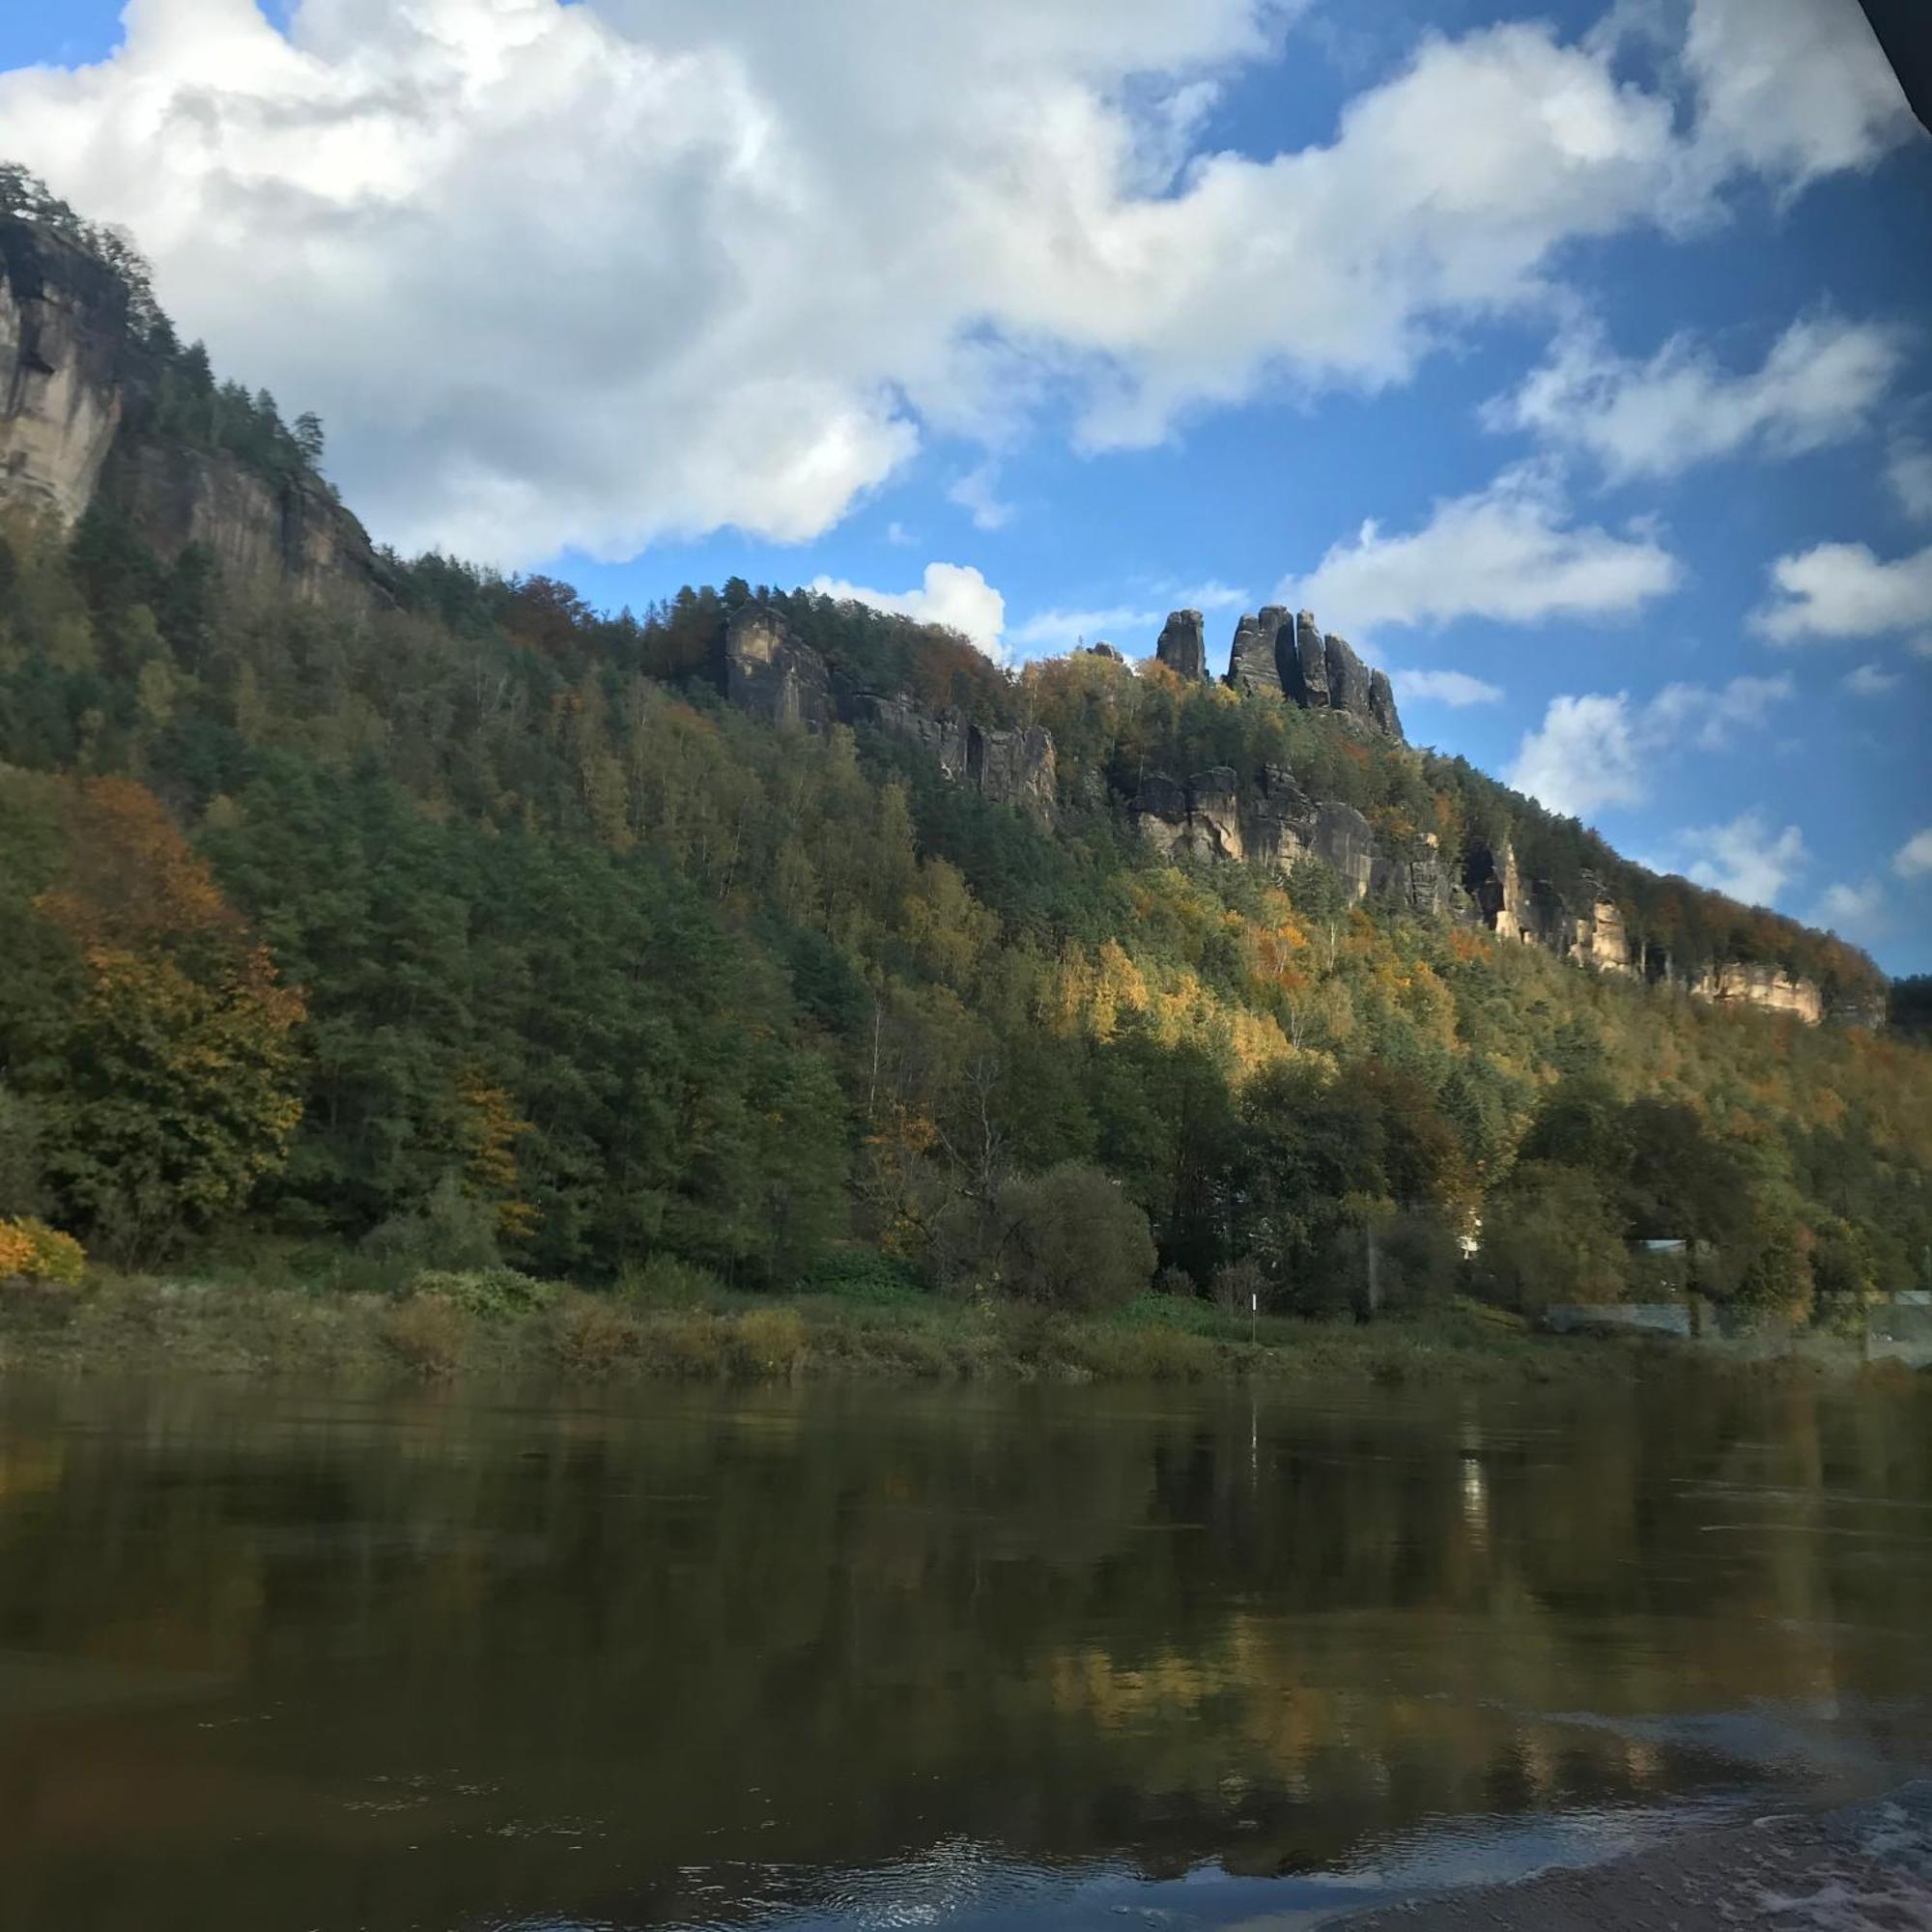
[
  {"x": 120, "y": 1325},
  {"x": 1859, "y": 1866}
]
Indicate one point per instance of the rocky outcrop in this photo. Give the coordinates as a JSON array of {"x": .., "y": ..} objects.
[
  {"x": 777, "y": 677},
  {"x": 771, "y": 674},
  {"x": 1316, "y": 673},
  {"x": 1600, "y": 935},
  {"x": 1103, "y": 649},
  {"x": 1762, "y": 987},
  {"x": 1253, "y": 664},
  {"x": 1382, "y": 714},
  {"x": 259, "y": 530},
  {"x": 63, "y": 323},
  {"x": 77, "y": 388},
  {"x": 1182, "y": 646},
  {"x": 1213, "y": 815},
  {"x": 1304, "y": 671}
]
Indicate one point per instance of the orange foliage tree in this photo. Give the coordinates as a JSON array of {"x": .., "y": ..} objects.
[{"x": 178, "y": 1089}]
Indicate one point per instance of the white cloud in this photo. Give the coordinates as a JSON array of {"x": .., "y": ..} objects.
[
  {"x": 1598, "y": 748},
  {"x": 1855, "y": 909},
  {"x": 953, "y": 594},
  {"x": 1819, "y": 383},
  {"x": 1508, "y": 551},
  {"x": 1582, "y": 757},
  {"x": 1844, "y": 590},
  {"x": 1908, "y": 470},
  {"x": 1870, "y": 680},
  {"x": 977, "y": 494},
  {"x": 1747, "y": 859},
  {"x": 1456, "y": 688},
  {"x": 1792, "y": 88},
  {"x": 1132, "y": 628},
  {"x": 1914, "y": 859},
  {"x": 600, "y": 273},
  {"x": 897, "y": 533}
]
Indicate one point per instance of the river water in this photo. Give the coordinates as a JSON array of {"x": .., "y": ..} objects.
[{"x": 276, "y": 1660}]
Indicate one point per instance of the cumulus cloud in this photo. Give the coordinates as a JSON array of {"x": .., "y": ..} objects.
[
  {"x": 1456, "y": 688},
  {"x": 1598, "y": 748},
  {"x": 1509, "y": 552},
  {"x": 1819, "y": 383},
  {"x": 1794, "y": 89},
  {"x": 599, "y": 273},
  {"x": 1914, "y": 859},
  {"x": 953, "y": 595},
  {"x": 1747, "y": 859},
  {"x": 1845, "y": 590}
]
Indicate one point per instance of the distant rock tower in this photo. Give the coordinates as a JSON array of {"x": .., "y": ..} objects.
[
  {"x": 1253, "y": 664},
  {"x": 1182, "y": 647}
]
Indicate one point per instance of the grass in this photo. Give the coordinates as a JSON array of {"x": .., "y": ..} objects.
[{"x": 671, "y": 1323}]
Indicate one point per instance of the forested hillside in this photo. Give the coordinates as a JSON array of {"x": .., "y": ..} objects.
[
  {"x": 416, "y": 915},
  {"x": 481, "y": 925}
]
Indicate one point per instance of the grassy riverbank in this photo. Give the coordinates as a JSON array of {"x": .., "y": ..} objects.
[{"x": 120, "y": 1324}]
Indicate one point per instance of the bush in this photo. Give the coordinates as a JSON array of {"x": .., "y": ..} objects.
[
  {"x": 594, "y": 1334},
  {"x": 492, "y": 1294},
  {"x": 863, "y": 1275},
  {"x": 450, "y": 1230},
  {"x": 1176, "y": 1283},
  {"x": 35, "y": 1252},
  {"x": 665, "y": 1282},
  {"x": 1070, "y": 1239},
  {"x": 1550, "y": 1237},
  {"x": 1153, "y": 1353},
  {"x": 1237, "y": 1284},
  {"x": 427, "y": 1335},
  {"x": 769, "y": 1341}
]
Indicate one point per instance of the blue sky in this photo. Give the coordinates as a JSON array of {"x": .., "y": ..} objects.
[{"x": 1573, "y": 363}]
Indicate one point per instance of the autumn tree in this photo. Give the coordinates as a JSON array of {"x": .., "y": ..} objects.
[{"x": 173, "y": 1090}]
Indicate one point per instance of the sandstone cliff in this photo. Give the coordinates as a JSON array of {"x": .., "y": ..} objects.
[
  {"x": 78, "y": 389},
  {"x": 773, "y": 675}
]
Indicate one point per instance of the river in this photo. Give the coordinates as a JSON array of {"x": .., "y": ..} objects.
[{"x": 286, "y": 1660}]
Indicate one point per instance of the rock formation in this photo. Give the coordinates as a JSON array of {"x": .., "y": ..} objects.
[
  {"x": 76, "y": 401},
  {"x": 63, "y": 322},
  {"x": 1251, "y": 662},
  {"x": 1103, "y": 649},
  {"x": 1382, "y": 714},
  {"x": 1213, "y": 815},
  {"x": 1304, "y": 670},
  {"x": 770, "y": 673},
  {"x": 1182, "y": 646},
  {"x": 775, "y": 676}
]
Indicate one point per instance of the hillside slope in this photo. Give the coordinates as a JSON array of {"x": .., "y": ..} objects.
[{"x": 400, "y": 907}]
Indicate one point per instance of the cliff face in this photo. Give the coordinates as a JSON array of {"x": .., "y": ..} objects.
[
  {"x": 76, "y": 389},
  {"x": 1597, "y": 934},
  {"x": 772, "y": 674},
  {"x": 63, "y": 325},
  {"x": 1274, "y": 822}
]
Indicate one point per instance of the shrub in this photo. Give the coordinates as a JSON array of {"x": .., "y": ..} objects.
[
  {"x": 1159, "y": 1354},
  {"x": 1550, "y": 1237},
  {"x": 450, "y": 1230},
  {"x": 492, "y": 1294},
  {"x": 594, "y": 1334},
  {"x": 769, "y": 1341},
  {"x": 1236, "y": 1285},
  {"x": 426, "y": 1335},
  {"x": 1070, "y": 1239},
  {"x": 665, "y": 1282},
  {"x": 32, "y": 1250},
  {"x": 1176, "y": 1282},
  {"x": 691, "y": 1347},
  {"x": 862, "y": 1274}
]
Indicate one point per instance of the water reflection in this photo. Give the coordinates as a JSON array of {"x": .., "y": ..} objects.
[{"x": 882, "y": 1658}]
